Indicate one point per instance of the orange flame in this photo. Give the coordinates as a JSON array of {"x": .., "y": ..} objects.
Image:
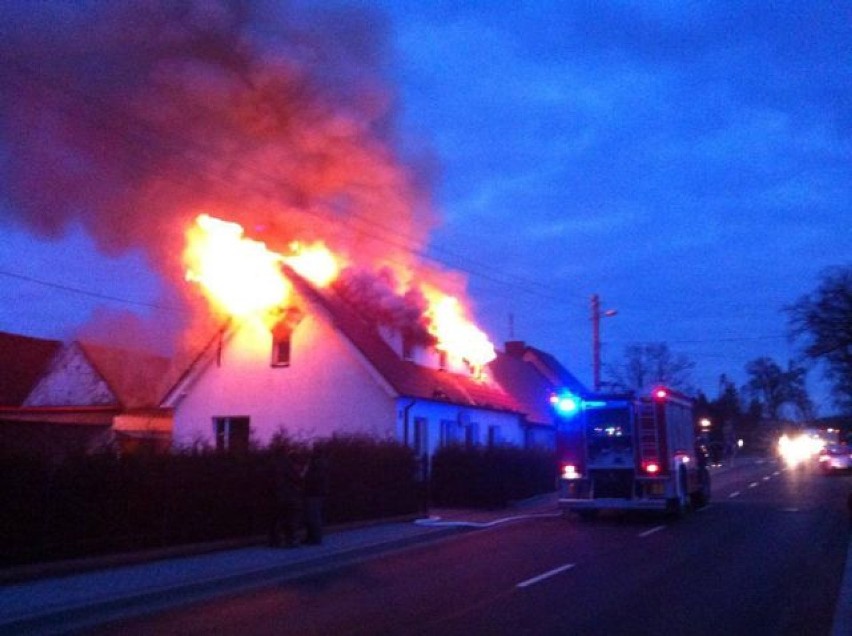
[
  {"x": 240, "y": 276},
  {"x": 244, "y": 279},
  {"x": 456, "y": 334},
  {"x": 314, "y": 262}
]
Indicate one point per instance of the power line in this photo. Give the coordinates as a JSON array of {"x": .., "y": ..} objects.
[{"x": 89, "y": 293}]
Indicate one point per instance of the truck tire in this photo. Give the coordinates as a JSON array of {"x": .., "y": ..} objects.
[
  {"x": 701, "y": 497},
  {"x": 676, "y": 506}
]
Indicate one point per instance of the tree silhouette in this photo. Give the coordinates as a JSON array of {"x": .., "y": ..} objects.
[{"x": 823, "y": 320}]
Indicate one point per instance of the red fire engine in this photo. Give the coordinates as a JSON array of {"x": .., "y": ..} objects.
[{"x": 629, "y": 452}]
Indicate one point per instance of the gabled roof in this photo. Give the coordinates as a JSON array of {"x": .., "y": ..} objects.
[
  {"x": 137, "y": 379},
  {"x": 406, "y": 378},
  {"x": 553, "y": 370},
  {"x": 22, "y": 361},
  {"x": 527, "y": 384}
]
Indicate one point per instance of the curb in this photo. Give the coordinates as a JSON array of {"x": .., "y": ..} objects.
[{"x": 61, "y": 620}]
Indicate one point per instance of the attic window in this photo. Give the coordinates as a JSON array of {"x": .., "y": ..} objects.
[
  {"x": 282, "y": 335},
  {"x": 281, "y": 351},
  {"x": 407, "y": 347}
]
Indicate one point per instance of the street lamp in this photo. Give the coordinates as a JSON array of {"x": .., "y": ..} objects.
[{"x": 596, "y": 337}]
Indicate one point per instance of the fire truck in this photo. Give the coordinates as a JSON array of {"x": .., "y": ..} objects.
[{"x": 629, "y": 452}]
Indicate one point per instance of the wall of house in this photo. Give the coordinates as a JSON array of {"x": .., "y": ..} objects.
[
  {"x": 70, "y": 380},
  {"x": 426, "y": 425},
  {"x": 326, "y": 388}
]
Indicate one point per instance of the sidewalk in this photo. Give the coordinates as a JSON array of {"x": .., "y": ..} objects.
[{"x": 65, "y": 601}]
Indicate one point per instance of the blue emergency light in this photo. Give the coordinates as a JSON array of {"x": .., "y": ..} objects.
[{"x": 566, "y": 403}]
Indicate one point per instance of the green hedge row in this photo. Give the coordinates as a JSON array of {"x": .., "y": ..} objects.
[
  {"x": 483, "y": 477},
  {"x": 101, "y": 503}
]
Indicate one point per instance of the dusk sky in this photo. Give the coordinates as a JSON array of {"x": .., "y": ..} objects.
[{"x": 690, "y": 162}]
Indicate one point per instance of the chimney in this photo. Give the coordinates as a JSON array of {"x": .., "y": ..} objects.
[{"x": 516, "y": 348}]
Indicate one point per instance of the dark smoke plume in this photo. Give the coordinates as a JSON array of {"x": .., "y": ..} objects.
[{"x": 131, "y": 117}]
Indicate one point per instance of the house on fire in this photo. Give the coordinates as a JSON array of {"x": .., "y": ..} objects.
[
  {"x": 322, "y": 368},
  {"x": 325, "y": 368}
]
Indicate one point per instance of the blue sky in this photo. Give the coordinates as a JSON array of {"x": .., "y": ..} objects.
[{"x": 688, "y": 161}]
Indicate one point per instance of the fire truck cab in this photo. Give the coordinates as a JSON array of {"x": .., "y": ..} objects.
[{"x": 629, "y": 452}]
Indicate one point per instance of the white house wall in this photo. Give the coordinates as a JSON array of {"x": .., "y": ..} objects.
[
  {"x": 326, "y": 389},
  {"x": 440, "y": 417},
  {"x": 71, "y": 380}
]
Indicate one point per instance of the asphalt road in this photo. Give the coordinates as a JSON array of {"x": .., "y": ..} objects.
[{"x": 766, "y": 557}]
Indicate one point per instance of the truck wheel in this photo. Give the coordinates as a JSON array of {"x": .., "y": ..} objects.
[
  {"x": 676, "y": 506},
  {"x": 701, "y": 497}
]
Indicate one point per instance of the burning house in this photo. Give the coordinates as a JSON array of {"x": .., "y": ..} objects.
[{"x": 323, "y": 349}]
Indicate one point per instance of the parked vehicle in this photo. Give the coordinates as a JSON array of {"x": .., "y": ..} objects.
[
  {"x": 630, "y": 452},
  {"x": 835, "y": 457}
]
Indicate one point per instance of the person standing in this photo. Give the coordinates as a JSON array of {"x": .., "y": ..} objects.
[
  {"x": 286, "y": 501},
  {"x": 316, "y": 490}
]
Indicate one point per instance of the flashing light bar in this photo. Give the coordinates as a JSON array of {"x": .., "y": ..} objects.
[
  {"x": 652, "y": 468},
  {"x": 569, "y": 471},
  {"x": 565, "y": 403}
]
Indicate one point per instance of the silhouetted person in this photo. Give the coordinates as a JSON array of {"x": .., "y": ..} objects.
[
  {"x": 286, "y": 501},
  {"x": 316, "y": 490}
]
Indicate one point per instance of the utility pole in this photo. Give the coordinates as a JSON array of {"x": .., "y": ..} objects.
[{"x": 596, "y": 338}]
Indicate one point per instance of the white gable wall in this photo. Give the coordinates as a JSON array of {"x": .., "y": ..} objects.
[
  {"x": 71, "y": 380},
  {"x": 328, "y": 388}
]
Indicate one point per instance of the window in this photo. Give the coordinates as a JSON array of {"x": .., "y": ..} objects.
[
  {"x": 407, "y": 347},
  {"x": 232, "y": 434},
  {"x": 449, "y": 432},
  {"x": 471, "y": 434},
  {"x": 282, "y": 335},
  {"x": 421, "y": 436},
  {"x": 281, "y": 350},
  {"x": 493, "y": 436}
]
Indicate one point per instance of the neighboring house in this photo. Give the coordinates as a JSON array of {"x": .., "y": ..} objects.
[
  {"x": 533, "y": 376},
  {"x": 60, "y": 398},
  {"x": 324, "y": 369}
]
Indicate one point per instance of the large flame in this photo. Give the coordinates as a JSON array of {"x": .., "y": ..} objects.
[
  {"x": 240, "y": 276},
  {"x": 456, "y": 334},
  {"x": 243, "y": 278}
]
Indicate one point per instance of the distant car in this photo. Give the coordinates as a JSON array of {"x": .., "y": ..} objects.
[{"x": 835, "y": 457}]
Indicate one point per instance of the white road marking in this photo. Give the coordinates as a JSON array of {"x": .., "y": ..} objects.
[
  {"x": 546, "y": 575},
  {"x": 736, "y": 493},
  {"x": 753, "y": 484},
  {"x": 789, "y": 510},
  {"x": 767, "y": 477},
  {"x": 704, "y": 507},
  {"x": 648, "y": 533},
  {"x": 776, "y": 473}
]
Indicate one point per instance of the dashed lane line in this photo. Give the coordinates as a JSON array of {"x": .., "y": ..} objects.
[
  {"x": 545, "y": 575},
  {"x": 648, "y": 533},
  {"x": 736, "y": 493}
]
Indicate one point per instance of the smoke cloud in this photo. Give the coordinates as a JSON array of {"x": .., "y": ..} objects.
[{"x": 132, "y": 117}]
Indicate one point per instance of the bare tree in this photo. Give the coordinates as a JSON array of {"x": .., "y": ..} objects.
[
  {"x": 823, "y": 320},
  {"x": 650, "y": 364},
  {"x": 775, "y": 388}
]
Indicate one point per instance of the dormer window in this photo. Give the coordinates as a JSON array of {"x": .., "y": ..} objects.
[
  {"x": 281, "y": 349},
  {"x": 407, "y": 347},
  {"x": 282, "y": 336}
]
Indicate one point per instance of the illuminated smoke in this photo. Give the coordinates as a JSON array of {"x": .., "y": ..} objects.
[{"x": 131, "y": 117}]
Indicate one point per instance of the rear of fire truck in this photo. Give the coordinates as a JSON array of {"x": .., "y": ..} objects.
[{"x": 629, "y": 452}]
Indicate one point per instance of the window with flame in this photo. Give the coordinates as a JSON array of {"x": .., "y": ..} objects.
[{"x": 282, "y": 336}]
